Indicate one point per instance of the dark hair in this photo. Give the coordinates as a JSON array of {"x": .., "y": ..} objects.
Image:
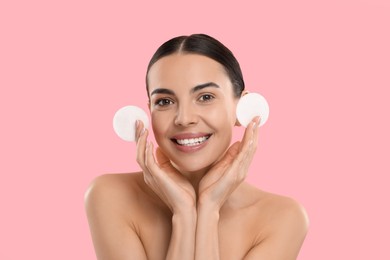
[{"x": 204, "y": 45}]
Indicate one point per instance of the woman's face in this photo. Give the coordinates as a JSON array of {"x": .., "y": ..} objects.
[{"x": 193, "y": 109}]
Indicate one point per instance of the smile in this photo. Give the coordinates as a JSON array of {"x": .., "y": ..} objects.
[{"x": 191, "y": 141}]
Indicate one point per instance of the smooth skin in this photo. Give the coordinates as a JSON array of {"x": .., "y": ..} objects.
[{"x": 192, "y": 205}]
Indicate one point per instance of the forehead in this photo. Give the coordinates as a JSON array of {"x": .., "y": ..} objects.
[{"x": 186, "y": 70}]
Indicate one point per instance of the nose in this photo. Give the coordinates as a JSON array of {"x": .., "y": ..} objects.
[{"x": 186, "y": 115}]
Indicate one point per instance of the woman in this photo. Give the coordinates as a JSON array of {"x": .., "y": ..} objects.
[{"x": 190, "y": 200}]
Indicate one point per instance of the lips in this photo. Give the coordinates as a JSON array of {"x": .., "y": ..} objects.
[{"x": 190, "y": 142}]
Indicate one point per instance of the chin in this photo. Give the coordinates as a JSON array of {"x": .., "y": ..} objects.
[{"x": 191, "y": 167}]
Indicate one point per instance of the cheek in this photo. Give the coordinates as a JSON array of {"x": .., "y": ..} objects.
[
  {"x": 159, "y": 124},
  {"x": 221, "y": 117}
]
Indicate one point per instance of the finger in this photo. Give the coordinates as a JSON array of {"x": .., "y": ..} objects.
[
  {"x": 248, "y": 134},
  {"x": 230, "y": 155},
  {"x": 148, "y": 178},
  {"x": 246, "y": 157},
  {"x": 235, "y": 174},
  {"x": 141, "y": 149},
  {"x": 150, "y": 161},
  {"x": 139, "y": 129},
  {"x": 151, "y": 182},
  {"x": 239, "y": 167},
  {"x": 153, "y": 185},
  {"x": 159, "y": 177},
  {"x": 249, "y": 145},
  {"x": 154, "y": 167},
  {"x": 252, "y": 142},
  {"x": 223, "y": 164},
  {"x": 256, "y": 129},
  {"x": 150, "y": 166}
]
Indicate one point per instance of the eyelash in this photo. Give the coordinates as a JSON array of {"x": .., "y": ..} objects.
[
  {"x": 166, "y": 100},
  {"x": 211, "y": 97},
  {"x": 158, "y": 101}
]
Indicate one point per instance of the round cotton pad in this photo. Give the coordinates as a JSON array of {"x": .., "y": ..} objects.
[
  {"x": 250, "y": 106},
  {"x": 124, "y": 121}
]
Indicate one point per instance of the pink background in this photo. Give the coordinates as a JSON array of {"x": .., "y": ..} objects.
[{"x": 324, "y": 67}]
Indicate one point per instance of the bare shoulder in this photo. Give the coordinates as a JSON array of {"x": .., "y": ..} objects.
[
  {"x": 280, "y": 205},
  {"x": 282, "y": 224},
  {"x": 112, "y": 202},
  {"x": 113, "y": 198},
  {"x": 281, "y": 213},
  {"x": 120, "y": 182},
  {"x": 118, "y": 189}
]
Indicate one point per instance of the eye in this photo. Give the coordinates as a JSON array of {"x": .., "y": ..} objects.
[
  {"x": 162, "y": 102},
  {"x": 206, "y": 98}
]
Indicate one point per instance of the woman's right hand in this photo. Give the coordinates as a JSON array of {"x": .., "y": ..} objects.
[{"x": 164, "y": 179}]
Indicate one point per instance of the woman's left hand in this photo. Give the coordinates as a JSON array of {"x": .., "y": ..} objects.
[{"x": 228, "y": 173}]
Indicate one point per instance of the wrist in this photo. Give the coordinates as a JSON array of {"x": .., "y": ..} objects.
[
  {"x": 204, "y": 205},
  {"x": 187, "y": 216},
  {"x": 208, "y": 211}
]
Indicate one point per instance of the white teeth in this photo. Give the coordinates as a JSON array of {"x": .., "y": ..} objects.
[{"x": 192, "y": 141}]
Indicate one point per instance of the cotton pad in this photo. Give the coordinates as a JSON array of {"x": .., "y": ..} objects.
[
  {"x": 250, "y": 106},
  {"x": 124, "y": 122}
]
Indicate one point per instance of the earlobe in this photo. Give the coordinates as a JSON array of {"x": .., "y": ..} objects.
[{"x": 244, "y": 93}]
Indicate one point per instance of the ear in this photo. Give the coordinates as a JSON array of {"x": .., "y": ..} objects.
[{"x": 243, "y": 93}]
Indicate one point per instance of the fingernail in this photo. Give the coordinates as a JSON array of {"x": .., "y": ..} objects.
[
  {"x": 255, "y": 121},
  {"x": 258, "y": 120}
]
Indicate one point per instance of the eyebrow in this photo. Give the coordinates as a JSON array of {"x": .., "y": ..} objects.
[
  {"x": 205, "y": 85},
  {"x": 162, "y": 91},
  {"x": 193, "y": 90}
]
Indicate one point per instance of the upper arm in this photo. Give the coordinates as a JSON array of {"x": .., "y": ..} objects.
[
  {"x": 112, "y": 235},
  {"x": 286, "y": 235}
]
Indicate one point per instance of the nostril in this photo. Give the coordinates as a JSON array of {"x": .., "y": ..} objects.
[
  {"x": 185, "y": 123},
  {"x": 186, "y": 120}
]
